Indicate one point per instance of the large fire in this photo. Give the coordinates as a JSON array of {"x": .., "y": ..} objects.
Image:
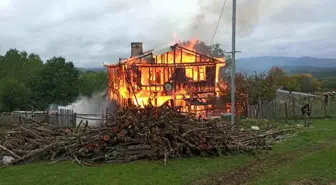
[{"x": 177, "y": 74}]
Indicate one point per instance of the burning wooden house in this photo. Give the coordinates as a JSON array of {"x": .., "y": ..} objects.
[{"x": 177, "y": 76}]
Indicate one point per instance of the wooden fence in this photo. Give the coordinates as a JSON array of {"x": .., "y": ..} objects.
[
  {"x": 285, "y": 109},
  {"x": 62, "y": 117},
  {"x": 291, "y": 109}
]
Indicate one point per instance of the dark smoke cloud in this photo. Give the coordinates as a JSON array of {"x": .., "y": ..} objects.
[{"x": 209, "y": 11}]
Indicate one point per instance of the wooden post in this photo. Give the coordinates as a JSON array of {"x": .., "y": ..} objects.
[
  {"x": 86, "y": 125},
  {"x": 102, "y": 112},
  {"x": 286, "y": 112},
  {"x": 32, "y": 113},
  {"x": 11, "y": 118},
  {"x": 259, "y": 108},
  {"x": 247, "y": 111},
  {"x": 293, "y": 108},
  {"x": 106, "y": 116},
  {"x": 63, "y": 117},
  {"x": 57, "y": 121},
  {"x": 274, "y": 109},
  {"x": 255, "y": 111},
  {"x": 60, "y": 116},
  {"x": 267, "y": 110},
  {"x": 237, "y": 119},
  {"x": 69, "y": 117},
  {"x": 26, "y": 117},
  {"x": 74, "y": 119}
]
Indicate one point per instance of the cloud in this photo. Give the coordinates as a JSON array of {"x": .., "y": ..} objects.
[{"x": 92, "y": 32}]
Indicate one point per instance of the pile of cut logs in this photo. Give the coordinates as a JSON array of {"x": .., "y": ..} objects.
[{"x": 129, "y": 134}]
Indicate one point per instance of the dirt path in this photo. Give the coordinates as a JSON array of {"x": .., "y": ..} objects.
[{"x": 257, "y": 167}]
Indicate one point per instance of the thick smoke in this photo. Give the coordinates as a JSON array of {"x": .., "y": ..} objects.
[
  {"x": 206, "y": 19},
  {"x": 93, "y": 105}
]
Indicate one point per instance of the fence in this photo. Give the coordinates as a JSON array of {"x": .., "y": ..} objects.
[
  {"x": 291, "y": 109},
  {"x": 62, "y": 117},
  {"x": 285, "y": 109}
]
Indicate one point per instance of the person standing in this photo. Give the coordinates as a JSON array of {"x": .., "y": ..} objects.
[{"x": 306, "y": 112}]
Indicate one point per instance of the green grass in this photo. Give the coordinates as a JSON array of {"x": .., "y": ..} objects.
[
  {"x": 318, "y": 133},
  {"x": 319, "y": 163},
  {"x": 176, "y": 172}
]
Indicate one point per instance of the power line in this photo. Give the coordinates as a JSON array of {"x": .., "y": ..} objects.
[{"x": 220, "y": 17}]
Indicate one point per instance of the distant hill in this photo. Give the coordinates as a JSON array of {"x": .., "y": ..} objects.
[
  {"x": 289, "y": 64},
  {"x": 322, "y": 69},
  {"x": 96, "y": 69},
  {"x": 318, "y": 72}
]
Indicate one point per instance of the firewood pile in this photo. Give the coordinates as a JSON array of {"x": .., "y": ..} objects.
[{"x": 128, "y": 135}]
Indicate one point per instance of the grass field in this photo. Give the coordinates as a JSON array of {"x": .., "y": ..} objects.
[{"x": 307, "y": 158}]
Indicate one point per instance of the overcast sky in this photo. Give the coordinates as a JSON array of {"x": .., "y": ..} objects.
[{"x": 91, "y": 32}]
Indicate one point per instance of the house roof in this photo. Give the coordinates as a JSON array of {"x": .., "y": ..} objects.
[{"x": 153, "y": 52}]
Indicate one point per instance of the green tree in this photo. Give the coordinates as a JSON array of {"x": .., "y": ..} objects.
[
  {"x": 57, "y": 82},
  {"x": 277, "y": 75},
  {"x": 316, "y": 85},
  {"x": 20, "y": 65},
  {"x": 216, "y": 51},
  {"x": 92, "y": 82},
  {"x": 33, "y": 65},
  {"x": 260, "y": 87},
  {"x": 291, "y": 83},
  {"x": 13, "y": 95},
  {"x": 307, "y": 83},
  {"x": 10, "y": 63}
]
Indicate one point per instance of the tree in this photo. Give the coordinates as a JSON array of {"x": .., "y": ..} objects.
[
  {"x": 9, "y": 63},
  {"x": 240, "y": 86},
  {"x": 92, "y": 82},
  {"x": 13, "y": 95},
  {"x": 20, "y": 65},
  {"x": 202, "y": 47},
  {"x": 306, "y": 83},
  {"x": 277, "y": 75},
  {"x": 216, "y": 51},
  {"x": 316, "y": 85},
  {"x": 57, "y": 82},
  {"x": 32, "y": 66},
  {"x": 291, "y": 83},
  {"x": 240, "y": 92}
]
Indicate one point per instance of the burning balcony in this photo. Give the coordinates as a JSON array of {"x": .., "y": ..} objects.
[{"x": 175, "y": 76}]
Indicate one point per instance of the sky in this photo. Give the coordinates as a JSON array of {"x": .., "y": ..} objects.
[{"x": 90, "y": 33}]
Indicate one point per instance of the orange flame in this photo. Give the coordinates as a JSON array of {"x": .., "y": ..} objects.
[{"x": 146, "y": 86}]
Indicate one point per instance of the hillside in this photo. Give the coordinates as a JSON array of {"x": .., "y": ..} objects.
[
  {"x": 289, "y": 64},
  {"x": 322, "y": 69},
  {"x": 292, "y": 65},
  {"x": 97, "y": 69}
]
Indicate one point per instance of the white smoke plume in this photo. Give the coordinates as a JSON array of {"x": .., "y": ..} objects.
[
  {"x": 96, "y": 104},
  {"x": 93, "y": 105}
]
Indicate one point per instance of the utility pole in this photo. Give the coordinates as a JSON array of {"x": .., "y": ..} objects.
[{"x": 233, "y": 65}]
